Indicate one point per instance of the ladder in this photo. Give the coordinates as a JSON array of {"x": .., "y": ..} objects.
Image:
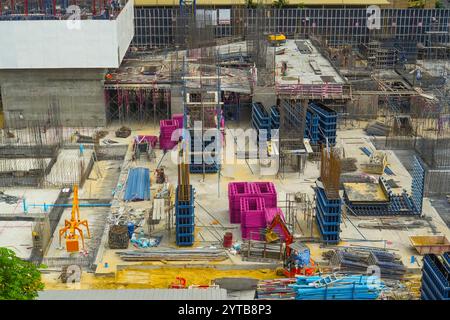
[{"x": 325, "y": 281}]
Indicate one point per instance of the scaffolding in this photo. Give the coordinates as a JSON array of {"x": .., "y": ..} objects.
[{"x": 59, "y": 10}]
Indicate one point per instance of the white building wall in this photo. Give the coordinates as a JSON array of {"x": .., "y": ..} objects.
[{"x": 50, "y": 44}]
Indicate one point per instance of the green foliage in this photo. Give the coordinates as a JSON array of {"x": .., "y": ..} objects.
[
  {"x": 251, "y": 4},
  {"x": 19, "y": 280},
  {"x": 280, "y": 3},
  {"x": 301, "y": 5},
  {"x": 439, "y": 4}
]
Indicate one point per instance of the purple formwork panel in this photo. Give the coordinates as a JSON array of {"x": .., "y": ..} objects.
[
  {"x": 237, "y": 191},
  {"x": 267, "y": 191},
  {"x": 270, "y": 214},
  {"x": 252, "y": 212}
]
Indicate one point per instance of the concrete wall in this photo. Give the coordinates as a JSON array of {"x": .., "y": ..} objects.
[
  {"x": 45, "y": 44},
  {"x": 79, "y": 93}
]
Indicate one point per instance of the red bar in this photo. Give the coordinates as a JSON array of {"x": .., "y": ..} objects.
[{"x": 26, "y": 7}]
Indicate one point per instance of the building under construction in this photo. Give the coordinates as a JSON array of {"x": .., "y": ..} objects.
[{"x": 282, "y": 151}]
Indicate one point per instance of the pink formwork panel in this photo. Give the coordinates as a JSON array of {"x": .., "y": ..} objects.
[
  {"x": 237, "y": 191},
  {"x": 165, "y": 144},
  {"x": 151, "y": 140},
  {"x": 267, "y": 191},
  {"x": 251, "y": 233},
  {"x": 270, "y": 214},
  {"x": 168, "y": 126},
  {"x": 178, "y": 117},
  {"x": 252, "y": 212}
]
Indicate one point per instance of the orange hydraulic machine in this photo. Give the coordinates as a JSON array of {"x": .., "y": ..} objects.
[
  {"x": 72, "y": 226},
  {"x": 291, "y": 268}
]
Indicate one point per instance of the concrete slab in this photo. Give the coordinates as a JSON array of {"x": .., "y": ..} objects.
[
  {"x": 16, "y": 235},
  {"x": 31, "y": 196}
]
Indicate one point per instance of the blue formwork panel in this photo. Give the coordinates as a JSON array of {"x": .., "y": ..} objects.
[
  {"x": 418, "y": 184},
  {"x": 184, "y": 208},
  {"x": 260, "y": 115},
  {"x": 327, "y": 122},
  {"x": 200, "y": 168},
  {"x": 312, "y": 127},
  {"x": 231, "y": 112},
  {"x": 275, "y": 117},
  {"x": 436, "y": 274},
  {"x": 328, "y": 216},
  {"x": 327, "y": 226},
  {"x": 185, "y": 219},
  {"x": 185, "y": 228},
  {"x": 330, "y": 206},
  {"x": 184, "y": 240},
  {"x": 327, "y": 237}
]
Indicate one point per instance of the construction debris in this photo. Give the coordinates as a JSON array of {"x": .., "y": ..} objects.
[
  {"x": 377, "y": 129},
  {"x": 123, "y": 132},
  {"x": 353, "y": 260},
  {"x": 174, "y": 255},
  {"x": 8, "y": 198},
  {"x": 118, "y": 237}
]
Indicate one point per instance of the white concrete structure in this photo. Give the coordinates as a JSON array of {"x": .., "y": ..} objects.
[{"x": 60, "y": 44}]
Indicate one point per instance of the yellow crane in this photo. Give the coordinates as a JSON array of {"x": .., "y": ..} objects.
[{"x": 72, "y": 226}]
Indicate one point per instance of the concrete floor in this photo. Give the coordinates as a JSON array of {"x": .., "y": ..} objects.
[
  {"x": 16, "y": 236},
  {"x": 212, "y": 219},
  {"x": 31, "y": 196}
]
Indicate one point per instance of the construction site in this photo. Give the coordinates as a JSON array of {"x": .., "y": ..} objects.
[{"x": 190, "y": 151}]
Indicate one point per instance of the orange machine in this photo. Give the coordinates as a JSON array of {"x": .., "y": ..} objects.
[
  {"x": 289, "y": 270},
  {"x": 179, "y": 284},
  {"x": 73, "y": 225}
]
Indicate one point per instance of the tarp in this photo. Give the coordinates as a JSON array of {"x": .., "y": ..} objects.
[{"x": 138, "y": 185}]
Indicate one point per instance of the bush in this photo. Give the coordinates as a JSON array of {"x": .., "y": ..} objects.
[{"x": 19, "y": 279}]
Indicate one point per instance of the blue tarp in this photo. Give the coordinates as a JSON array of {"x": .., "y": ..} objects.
[{"x": 138, "y": 185}]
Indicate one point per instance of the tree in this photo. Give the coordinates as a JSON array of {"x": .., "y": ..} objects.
[
  {"x": 251, "y": 4},
  {"x": 439, "y": 4},
  {"x": 19, "y": 279},
  {"x": 280, "y": 3}
]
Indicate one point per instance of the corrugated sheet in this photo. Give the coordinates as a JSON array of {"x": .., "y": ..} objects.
[
  {"x": 138, "y": 185},
  {"x": 144, "y": 294}
]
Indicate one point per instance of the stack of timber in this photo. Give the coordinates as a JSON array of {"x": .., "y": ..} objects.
[{"x": 173, "y": 255}]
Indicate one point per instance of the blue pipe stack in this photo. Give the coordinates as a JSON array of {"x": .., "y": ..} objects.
[
  {"x": 436, "y": 277},
  {"x": 352, "y": 287},
  {"x": 184, "y": 219}
]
